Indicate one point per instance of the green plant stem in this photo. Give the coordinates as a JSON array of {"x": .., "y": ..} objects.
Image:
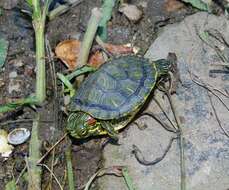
[
  {"x": 36, "y": 8},
  {"x": 40, "y": 61},
  {"x": 80, "y": 71},
  {"x": 89, "y": 36},
  {"x": 14, "y": 105},
  {"x": 107, "y": 8},
  {"x": 71, "y": 184},
  {"x": 67, "y": 83},
  {"x": 39, "y": 19},
  {"x": 34, "y": 170},
  {"x": 128, "y": 180}
]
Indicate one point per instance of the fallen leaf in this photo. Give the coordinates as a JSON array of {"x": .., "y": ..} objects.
[
  {"x": 5, "y": 148},
  {"x": 173, "y": 5},
  {"x": 68, "y": 52},
  {"x": 118, "y": 49},
  {"x": 204, "y": 5},
  {"x": 96, "y": 59},
  {"x": 132, "y": 12}
]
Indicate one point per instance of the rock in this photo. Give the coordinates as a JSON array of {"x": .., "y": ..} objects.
[
  {"x": 12, "y": 74},
  {"x": 132, "y": 12},
  {"x": 206, "y": 146},
  {"x": 14, "y": 85},
  {"x": 19, "y": 63},
  {"x": 9, "y": 4}
]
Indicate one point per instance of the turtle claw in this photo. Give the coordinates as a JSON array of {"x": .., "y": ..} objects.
[{"x": 110, "y": 130}]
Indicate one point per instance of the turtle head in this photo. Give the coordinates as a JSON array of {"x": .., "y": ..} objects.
[
  {"x": 81, "y": 125},
  {"x": 165, "y": 65}
]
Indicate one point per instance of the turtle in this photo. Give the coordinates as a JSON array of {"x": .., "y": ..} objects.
[{"x": 108, "y": 99}]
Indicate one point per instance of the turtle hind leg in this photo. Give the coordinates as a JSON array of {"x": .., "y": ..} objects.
[{"x": 106, "y": 125}]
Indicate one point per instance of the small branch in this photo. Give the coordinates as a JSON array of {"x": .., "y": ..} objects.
[
  {"x": 114, "y": 170},
  {"x": 216, "y": 116},
  {"x": 46, "y": 167},
  {"x": 138, "y": 154},
  {"x": 42, "y": 158}
]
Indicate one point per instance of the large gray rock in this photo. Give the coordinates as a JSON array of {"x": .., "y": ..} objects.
[{"x": 206, "y": 147}]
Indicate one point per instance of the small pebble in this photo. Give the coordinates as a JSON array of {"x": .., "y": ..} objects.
[
  {"x": 19, "y": 63},
  {"x": 14, "y": 86},
  {"x": 12, "y": 74},
  {"x": 132, "y": 12}
]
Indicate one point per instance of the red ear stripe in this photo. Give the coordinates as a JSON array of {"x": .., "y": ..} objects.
[{"x": 91, "y": 121}]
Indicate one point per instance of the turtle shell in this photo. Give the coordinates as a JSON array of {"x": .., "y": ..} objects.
[{"x": 116, "y": 89}]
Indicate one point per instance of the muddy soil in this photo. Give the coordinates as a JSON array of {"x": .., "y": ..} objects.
[{"x": 17, "y": 28}]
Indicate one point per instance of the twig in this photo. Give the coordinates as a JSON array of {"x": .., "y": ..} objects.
[
  {"x": 216, "y": 116},
  {"x": 166, "y": 115},
  {"x": 164, "y": 125},
  {"x": 42, "y": 158},
  {"x": 114, "y": 170},
  {"x": 181, "y": 139},
  {"x": 57, "y": 181},
  {"x": 62, "y": 9},
  {"x": 179, "y": 132},
  {"x": 138, "y": 154},
  {"x": 21, "y": 173},
  {"x": 207, "y": 87}
]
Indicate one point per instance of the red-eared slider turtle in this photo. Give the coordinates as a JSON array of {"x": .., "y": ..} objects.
[{"x": 110, "y": 97}]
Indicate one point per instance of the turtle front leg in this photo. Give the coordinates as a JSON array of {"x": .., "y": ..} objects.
[{"x": 106, "y": 125}]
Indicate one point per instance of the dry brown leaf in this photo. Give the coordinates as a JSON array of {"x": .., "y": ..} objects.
[
  {"x": 68, "y": 52},
  {"x": 118, "y": 49},
  {"x": 173, "y": 5},
  {"x": 96, "y": 59}
]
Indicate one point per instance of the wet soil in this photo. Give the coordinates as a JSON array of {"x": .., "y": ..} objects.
[{"x": 17, "y": 28}]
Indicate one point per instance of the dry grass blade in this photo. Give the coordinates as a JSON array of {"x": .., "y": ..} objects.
[
  {"x": 46, "y": 154},
  {"x": 46, "y": 167},
  {"x": 217, "y": 117},
  {"x": 114, "y": 170}
]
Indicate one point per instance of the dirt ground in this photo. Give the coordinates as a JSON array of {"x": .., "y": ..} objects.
[{"x": 17, "y": 28}]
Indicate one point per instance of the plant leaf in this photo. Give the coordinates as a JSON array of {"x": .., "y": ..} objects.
[
  {"x": 11, "y": 185},
  {"x": 107, "y": 12},
  {"x": 199, "y": 4},
  {"x": 30, "y": 2},
  {"x": 4, "y": 44}
]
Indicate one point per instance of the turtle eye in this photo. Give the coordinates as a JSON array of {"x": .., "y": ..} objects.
[{"x": 83, "y": 132}]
